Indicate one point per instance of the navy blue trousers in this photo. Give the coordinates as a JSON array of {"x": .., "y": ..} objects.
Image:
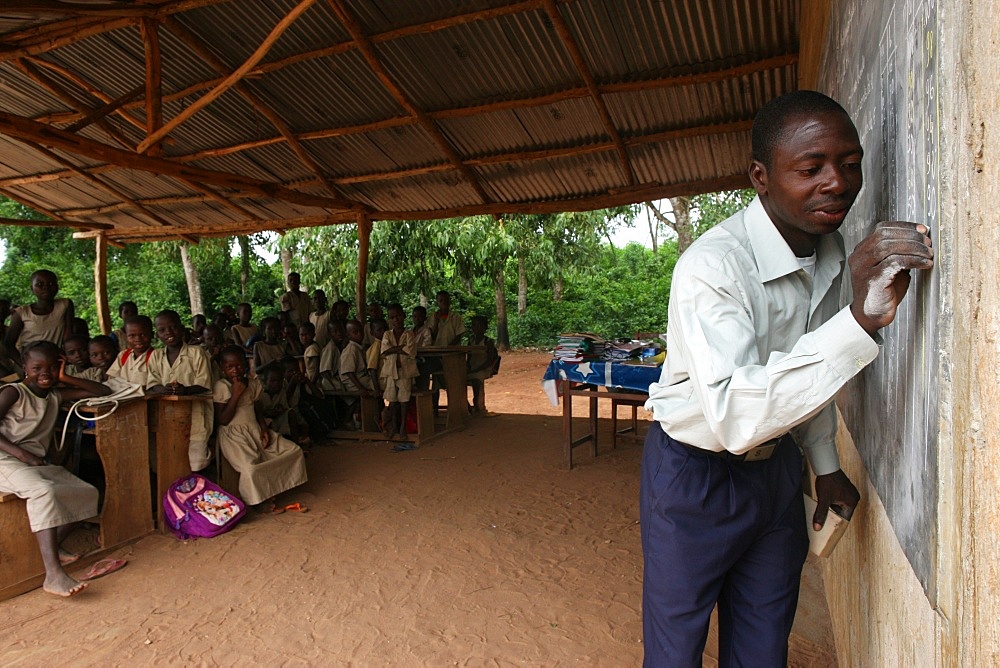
[{"x": 720, "y": 531}]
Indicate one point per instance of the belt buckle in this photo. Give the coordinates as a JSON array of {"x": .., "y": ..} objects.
[{"x": 761, "y": 452}]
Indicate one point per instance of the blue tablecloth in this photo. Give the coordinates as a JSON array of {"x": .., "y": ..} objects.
[{"x": 610, "y": 374}]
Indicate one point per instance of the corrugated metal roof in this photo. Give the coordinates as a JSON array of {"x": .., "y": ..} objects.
[{"x": 494, "y": 115}]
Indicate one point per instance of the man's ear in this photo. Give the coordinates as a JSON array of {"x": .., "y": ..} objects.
[{"x": 758, "y": 176}]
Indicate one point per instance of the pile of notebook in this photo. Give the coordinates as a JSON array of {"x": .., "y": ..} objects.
[{"x": 579, "y": 347}]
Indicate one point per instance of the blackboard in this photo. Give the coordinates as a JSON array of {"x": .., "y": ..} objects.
[{"x": 880, "y": 63}]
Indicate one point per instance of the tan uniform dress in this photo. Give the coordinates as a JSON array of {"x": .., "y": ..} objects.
[
  {"x": 264, "y": 353},
  {"x": 298, "y": 305},
  {"x": 192, "y": 367},
  {"x": 240, "y": 334},
  {"x": 55, "y": 496},
  {"x": 399, "y": 369},
  {"x": 352, "y": 359},
  {"x": 373, "y": 359},
  {"x": 484, "y": 350},
  {"x": 51, "y": 327},
  {"x": 311, "y": 356},
  {"x": 321, "y": 323},
  {"x": 448, "y": 327},
  {"x": 329, "y": 368},
  {"x": 264, "y": 473},
  {"x": 134, "y": 369}
]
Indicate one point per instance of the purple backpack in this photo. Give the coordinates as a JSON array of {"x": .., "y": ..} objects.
[{"x": 194, "y": 507}]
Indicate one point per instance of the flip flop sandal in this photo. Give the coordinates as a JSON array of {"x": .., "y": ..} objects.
[
  {"x": 102, "y": 568},
  {"x": 403, "y": 447},
  {"x": 296, "y": 507},
  {"x": 66, "y": 559}
]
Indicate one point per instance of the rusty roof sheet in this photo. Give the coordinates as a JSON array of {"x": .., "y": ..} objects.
[{"x": 377, "y": 108}]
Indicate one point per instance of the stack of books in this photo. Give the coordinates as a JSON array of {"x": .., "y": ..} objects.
[{"x": 579, "y": 347}]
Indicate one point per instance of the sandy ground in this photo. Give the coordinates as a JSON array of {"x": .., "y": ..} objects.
[{"x": 477, "y": 549}]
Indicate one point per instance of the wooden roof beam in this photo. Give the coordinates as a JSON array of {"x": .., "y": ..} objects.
[
  {"x": 56, "y": 219},
  {"x": 23, "y": 128},
  {"x": 222, "y": 230},
  {"x": 91, "y": 89},
  {"x": 569, "y": 43},
  {"x": 230, "y": 80},
  {"x": 42, "y": 7},
  {"x": 262, "y": 107},
  {"x": 429, "y": 126},
  {"x": 109, "y": 108},
  {"x": 56, "y": 89},
  {"x": 149, "y": 30}
]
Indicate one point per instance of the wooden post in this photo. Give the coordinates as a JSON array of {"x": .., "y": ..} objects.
[
  {"x": 364, "y": 238},
  {"x": 101, "y": 285}
]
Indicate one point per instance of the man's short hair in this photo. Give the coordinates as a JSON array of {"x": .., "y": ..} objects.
[{"x": 769, "y": 123}]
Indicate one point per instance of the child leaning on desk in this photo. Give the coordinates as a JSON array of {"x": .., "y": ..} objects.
[{"x": 57, "y": 500}]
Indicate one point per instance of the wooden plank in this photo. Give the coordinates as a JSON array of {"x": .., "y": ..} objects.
[
  {"x": 19, "y": 552},
  {"x": 170, "y": 423},
  {"x": 812, "y": 34}
]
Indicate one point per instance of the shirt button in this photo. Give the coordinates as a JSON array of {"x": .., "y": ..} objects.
[{"x": 860, "y": 363}]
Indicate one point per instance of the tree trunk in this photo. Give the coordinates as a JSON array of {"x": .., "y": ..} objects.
[
  {"x": 682, "y": 214},
  {"x": 193, "y": 283},
  {"x": 522, "y": 287},
  {"x": 652, "y": 230},
  {"x": 503, "y": 333},
  {"x": 244, "y": 241},
  {"x": 286, "y": 266},
  {"x": 557, "y": 289}
]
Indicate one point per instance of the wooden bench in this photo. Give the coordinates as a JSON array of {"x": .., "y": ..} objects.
[
  {"x": 22, "y": 569},
  {"x": 422, "y": 399}
]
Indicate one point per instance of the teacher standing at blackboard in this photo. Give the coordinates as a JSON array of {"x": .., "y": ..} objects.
[{"x": 757, "y": 346}]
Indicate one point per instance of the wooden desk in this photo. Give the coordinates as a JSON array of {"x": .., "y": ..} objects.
[
  {"x": 170, "y": 426},
  {"x": 124, "y": 517},
  {"x": 453, "y": 368},
  {"x": 568, "y": 390}
]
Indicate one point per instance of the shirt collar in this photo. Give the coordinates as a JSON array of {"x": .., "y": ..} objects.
[{"x": 773, "y": 255}]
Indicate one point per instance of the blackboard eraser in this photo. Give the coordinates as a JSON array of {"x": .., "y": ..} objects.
[{"x": 822, "y": 542}]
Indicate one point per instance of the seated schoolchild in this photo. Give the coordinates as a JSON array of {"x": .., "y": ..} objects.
[
  {"x": 267, "y": 463},
  {"x": 75, "y": 350},
  {"x": 196, "y": 336},
  {"x": 290, "y": 340},
  {"x": 57, "y": 500},
  {"x": 221, "y": 320},
  {"x": 483, "y": 362},
  {"x": 79, "y": 327},
  {"x": 270, "y": 349},
  {"x": 373, "y": 357},
  {"x": 354, "y": 369},
  {"x": 399, "y": 367},
  {"x": 244, "y": 330},
  {"x": 102, "y": 352},
  {"x": 48, "y": 319},
  {"x": 132, "y": 364},
  {"x": 211, "y": 343},
  {"x": 311, "y": 352},
  {"x": 329, "y": 360},
  {"x": 308, "y": 403},
  {"x": 274, "y": 403},
  {"x": 180, "y": 369},
  {"x": 126, "y": 310}
]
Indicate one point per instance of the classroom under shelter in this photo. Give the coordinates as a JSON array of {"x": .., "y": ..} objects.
[{"x": 183, "y": 119}]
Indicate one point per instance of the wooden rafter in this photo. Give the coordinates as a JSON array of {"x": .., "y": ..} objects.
[
  {"x": 230, "y": 80},
  {"x": 56, "y": 219},
  {"x": 349, "y": 21},
  {"x": 154, "y": 96},
  {"x": 569, "y": 43},
  {"x": 221, "y": 229},
  {"x": 23, "y": 128},
  {"x": 56, "y": 89},
  {"x": 196, "y": 45},
  {"x": 104, "y": 111},
  {"x": 106, "y": 187},
  {"x": 91, "y": 89}
]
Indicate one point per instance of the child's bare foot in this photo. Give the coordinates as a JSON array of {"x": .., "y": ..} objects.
[
  {"x": 63, "y": 585},
  {"x": 66, "y": 557}
]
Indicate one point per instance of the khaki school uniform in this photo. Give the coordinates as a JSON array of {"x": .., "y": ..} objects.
[
  {"x": 131, "y": 367},
  {"x": 50, "y": 327},
  {"x": 192, "y": 367},
  {"x": 398, "y": 369}
]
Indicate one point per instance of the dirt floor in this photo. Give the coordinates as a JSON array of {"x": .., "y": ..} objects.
[{"x": 477, "y": 549}]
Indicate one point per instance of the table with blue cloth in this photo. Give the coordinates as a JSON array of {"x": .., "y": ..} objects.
[{"x": 626, "y": 385}]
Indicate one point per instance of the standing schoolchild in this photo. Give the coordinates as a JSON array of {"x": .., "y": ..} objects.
[
  {"x": 244, "y": 330},
  {"x": 399, "y": 368},
  {"x": 48, "y": 319},
  {"x": 354, "y": 368},
  {"x": 270, "y": 348},
  {"x": 211, "y": 343},
  {"x": 181, "y": 369},
  {"x": 57, "y": 499},
  {"x": 132, "y": 364},
  {"x": 196, "y": 336},
  {"x": 126, "y": 310},
  {"x": 267, "y": 463},
  {"x": 320, "y": 318}
]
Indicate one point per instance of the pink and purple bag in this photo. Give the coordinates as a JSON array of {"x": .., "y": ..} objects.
[{"x": 195, "y": 507}]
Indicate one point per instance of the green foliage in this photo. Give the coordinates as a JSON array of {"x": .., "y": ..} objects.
[{"x": 711, "y": 209}]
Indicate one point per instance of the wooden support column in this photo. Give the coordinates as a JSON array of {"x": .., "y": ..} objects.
[
  {"x": 101, "y": 285},
  {"x": 364, "y": 239}
]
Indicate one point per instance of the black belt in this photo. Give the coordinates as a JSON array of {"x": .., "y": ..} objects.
[{"x": 758, "y": 453}]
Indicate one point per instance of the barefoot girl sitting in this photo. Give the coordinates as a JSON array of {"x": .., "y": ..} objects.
[
  {"x": 267, "y": 463},
  {"x": 57, "y": 499}
]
